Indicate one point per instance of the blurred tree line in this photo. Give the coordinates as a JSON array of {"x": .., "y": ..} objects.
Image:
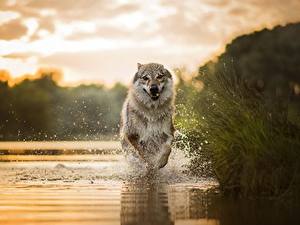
[{"x": 40, "y": 109}]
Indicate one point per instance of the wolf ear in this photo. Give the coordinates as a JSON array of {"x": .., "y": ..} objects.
[
  {"x": 167, "y": 73},
  {"x": 139, "y": 65},
  {"x": 136, "y": 77}
]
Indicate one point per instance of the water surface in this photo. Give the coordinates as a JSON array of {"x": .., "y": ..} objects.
[{"x": 104, "y": 189}]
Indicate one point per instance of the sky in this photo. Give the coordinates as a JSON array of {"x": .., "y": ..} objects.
[{"x": 103, "y": 40}]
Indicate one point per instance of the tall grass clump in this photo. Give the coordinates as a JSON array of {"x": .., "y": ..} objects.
[{"x": 251, "y": 146}]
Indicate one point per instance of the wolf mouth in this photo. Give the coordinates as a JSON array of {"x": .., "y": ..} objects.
[{"x": 153, "y": 97}]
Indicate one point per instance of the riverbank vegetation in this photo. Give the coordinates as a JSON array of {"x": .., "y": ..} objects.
[{"x": 243, "y": 125}]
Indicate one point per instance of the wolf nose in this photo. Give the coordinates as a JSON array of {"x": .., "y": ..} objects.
[{"x": 153, "y": 88}]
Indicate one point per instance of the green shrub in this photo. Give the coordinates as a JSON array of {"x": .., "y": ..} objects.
[{"x": 251, "y": 149}]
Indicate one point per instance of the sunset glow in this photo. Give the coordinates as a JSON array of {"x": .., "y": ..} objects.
[{"x": 103, "y": 40}]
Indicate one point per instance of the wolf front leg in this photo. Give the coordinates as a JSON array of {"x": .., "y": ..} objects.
[
  {"x": 166, "y": 150},
  {"x": 133, "y": 139}
]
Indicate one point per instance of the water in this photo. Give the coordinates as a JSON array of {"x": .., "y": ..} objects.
[{"x": 73, "y": 189}]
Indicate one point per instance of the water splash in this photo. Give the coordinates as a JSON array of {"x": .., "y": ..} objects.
[
  {"x": 106, "y": 167},
  {"x": 174, "y": 171}
]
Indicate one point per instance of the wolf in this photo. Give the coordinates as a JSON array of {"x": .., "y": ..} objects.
[{"x": 147, "y": 129}]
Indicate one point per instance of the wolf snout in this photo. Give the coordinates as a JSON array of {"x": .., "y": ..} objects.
[
  {"x": 154, "y": 89},
  {"x": 154, "y": 92}
]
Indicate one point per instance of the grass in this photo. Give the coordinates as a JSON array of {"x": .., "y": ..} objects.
[{"x": 252, "y": 149}]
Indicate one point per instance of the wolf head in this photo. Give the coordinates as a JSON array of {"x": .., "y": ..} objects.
[{"x": 152, "y": 82}]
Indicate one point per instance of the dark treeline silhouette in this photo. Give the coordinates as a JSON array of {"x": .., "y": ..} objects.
[
  {"x": 243, "y": 126},
  {"x": 267, "y": 62},
  {"x": 40, "y": 109}
]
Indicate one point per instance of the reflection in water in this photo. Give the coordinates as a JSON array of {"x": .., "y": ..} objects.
[
  {"x": 133, "y": 203},
  {"x": 154, "y": 203},
  {"x": 255, "y": 212},
  {"x": 184, "y": 204},
  {"x": 101, "y": 193},
  {"x": 191, "y": 204},
  {"x": 145, "y": 203}
]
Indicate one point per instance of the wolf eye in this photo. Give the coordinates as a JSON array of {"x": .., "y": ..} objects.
[
  {"x": 159, "y": 76},
  {"x": 145, "y": 78}
]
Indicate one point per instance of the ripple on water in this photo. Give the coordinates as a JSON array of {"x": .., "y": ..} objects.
[
  {"x": 113, "y": 192},
  {"x": 102, "y": 192}
]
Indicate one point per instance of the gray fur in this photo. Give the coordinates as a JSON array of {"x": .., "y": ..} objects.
[{"x": 147, "y": 124}]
